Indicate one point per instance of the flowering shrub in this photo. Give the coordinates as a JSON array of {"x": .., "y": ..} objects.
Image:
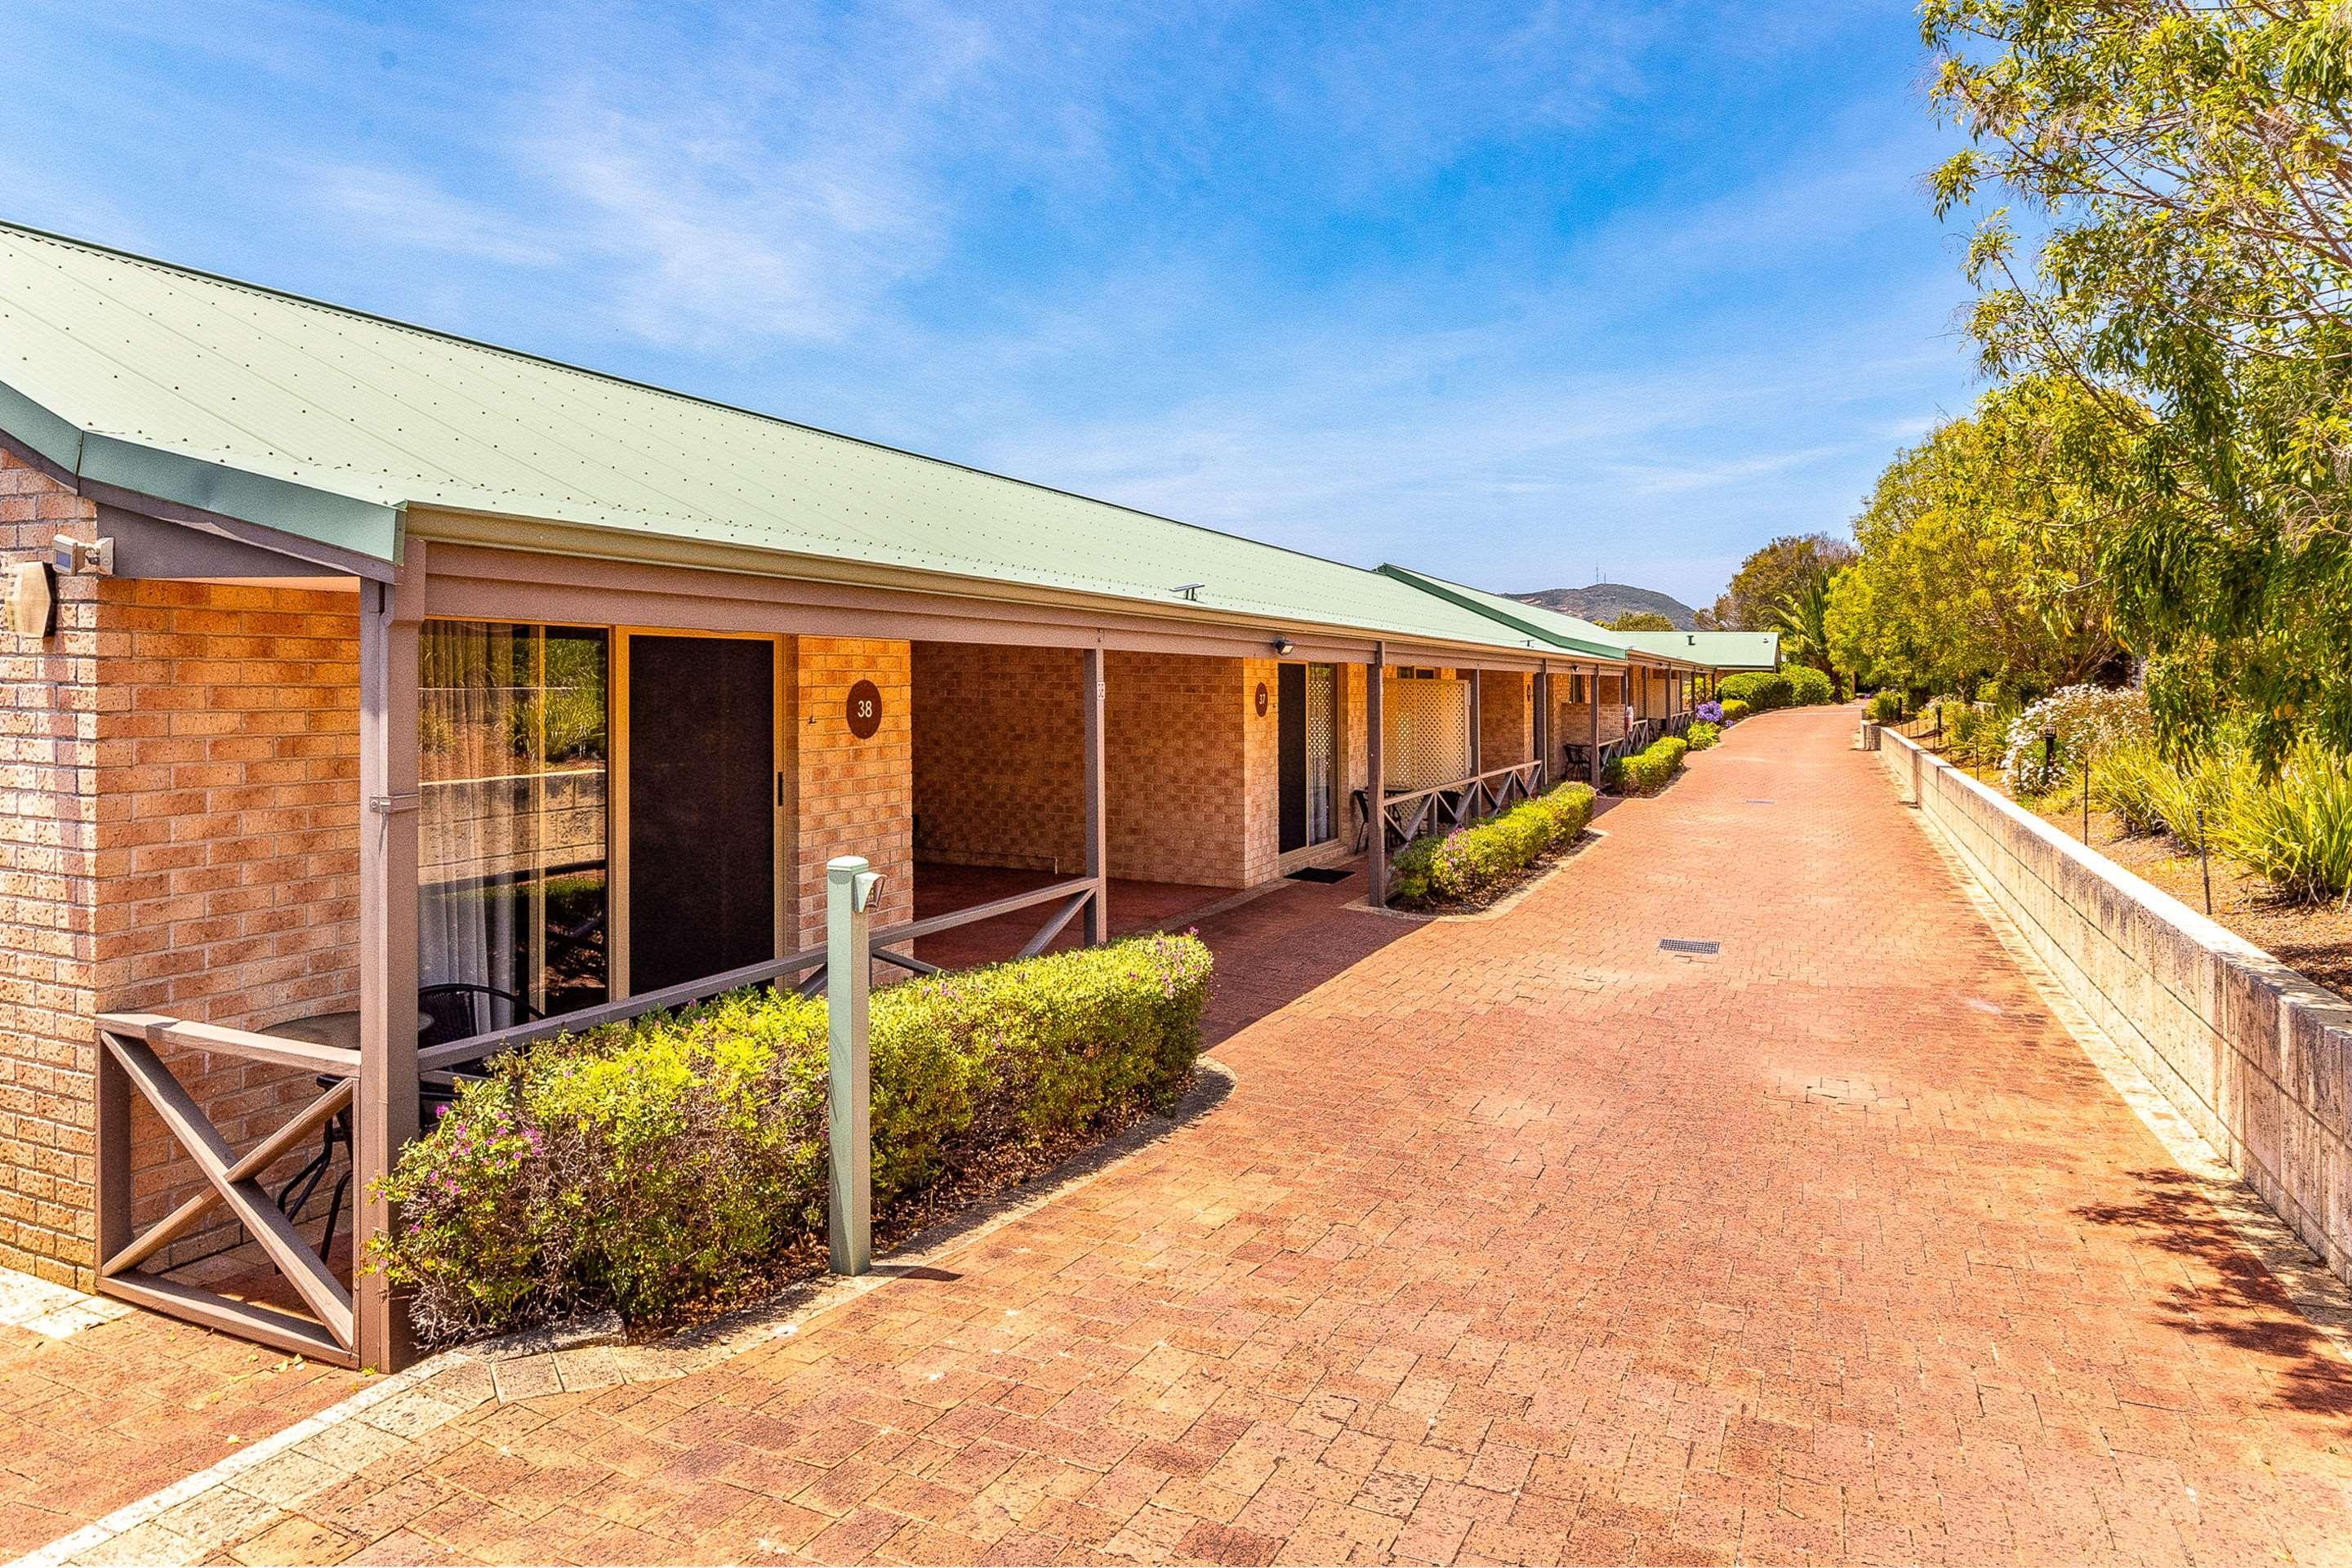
[
  {"x": 1702, "y": 734},
  {"x": 1470, "y": 863},
  {"x": 1734, "y": 709},
  {"x": 2081, "y": 717},
  {"x": 1708, "y": 712},
  {"x": 1650, "y": 771},
  {"x": 643, "y": 1166}
]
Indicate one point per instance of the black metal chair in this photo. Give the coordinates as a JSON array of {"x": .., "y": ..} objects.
[{"x": 457, "y": 1010}]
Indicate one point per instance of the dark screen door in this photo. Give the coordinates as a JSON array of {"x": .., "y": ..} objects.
[
  {"x": 1292, "y": 738},
  {"x": 702, "y": 820}
]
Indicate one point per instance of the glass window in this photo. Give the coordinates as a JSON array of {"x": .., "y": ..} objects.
[{"x": 513, "y": 857}]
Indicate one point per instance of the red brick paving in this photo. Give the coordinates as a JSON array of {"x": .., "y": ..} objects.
[
  {"x": 104, "y": 1416},
  {"x": 1516, "y": 1240}
]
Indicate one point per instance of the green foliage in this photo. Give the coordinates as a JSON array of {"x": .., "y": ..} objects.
[
  {"x": 1655, "y": 768},
  {"x": 1802, "y": 617},
  {"x": 644, "y": 1165},
  {"x": 1766, "y": 578},
  {"x": 1809, "y": 688},
  {"x": 2184, "y": 168},
  {"x": 1761, "y": 691},
  {"x": 2295, "y": 829},
  {"x": 1979, "y": 552},
  {"x": 1735, "y": 708},
  {"x": 2128, "y": 780},
  {"x": 1640, "y": 621},
  {"x": 1702, "y": 734},
  {"x": 1470, "y": 863},
  {"x": 1886, "y": 707},
  {"x": 2150, "y": 794}
]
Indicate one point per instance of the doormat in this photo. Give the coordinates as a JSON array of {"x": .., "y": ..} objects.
[{"x": 1319, "y": 874}]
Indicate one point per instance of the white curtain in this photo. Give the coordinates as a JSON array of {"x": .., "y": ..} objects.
[{"x": 477, "y": 855}]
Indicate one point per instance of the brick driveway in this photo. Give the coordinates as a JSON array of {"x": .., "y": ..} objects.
[{"x": 1518, "y": 1240}]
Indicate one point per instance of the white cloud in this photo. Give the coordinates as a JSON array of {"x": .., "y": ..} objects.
[{"x": 405, "y": 209}]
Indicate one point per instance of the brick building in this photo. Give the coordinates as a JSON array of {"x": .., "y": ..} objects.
[{"x": 400, "y": 674}]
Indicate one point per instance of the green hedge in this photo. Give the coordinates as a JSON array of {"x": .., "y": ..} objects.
[
  {"x": 1470, "y": 863},
  {"x": 1702, "y": 734},
  {"x": 644, "y": 1165},
  {"x": 1799, "y": 686},
  {"x": 1649, "y": 772},
  {"x": 1735, "y": 708}
]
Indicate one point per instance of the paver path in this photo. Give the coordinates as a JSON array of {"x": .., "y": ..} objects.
[{"x": 1521, "y": 1240}]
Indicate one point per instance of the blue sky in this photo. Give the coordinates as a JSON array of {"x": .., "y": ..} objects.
[{"x": 1510, "y": 293}]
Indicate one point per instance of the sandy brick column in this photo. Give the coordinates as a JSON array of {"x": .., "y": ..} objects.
[
  {"x": 999, "y": 736},
  {"x": 848, "y": 796},
  {"x": 1261, "y": 782},
  {"x": 49, "y": 864}
]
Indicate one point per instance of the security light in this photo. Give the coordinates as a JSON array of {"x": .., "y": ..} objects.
[{"x": 1282, "y": 647}]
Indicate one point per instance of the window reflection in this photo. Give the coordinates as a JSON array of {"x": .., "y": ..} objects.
[{"x": 512, "y": 858}]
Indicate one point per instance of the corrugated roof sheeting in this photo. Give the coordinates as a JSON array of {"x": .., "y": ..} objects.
[
  {"x": 345, "y": 419},
  {"x": 1723, "y": 651}
]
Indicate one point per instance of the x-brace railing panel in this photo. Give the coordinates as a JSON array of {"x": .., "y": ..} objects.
[{"x": 129, "y": 1063}]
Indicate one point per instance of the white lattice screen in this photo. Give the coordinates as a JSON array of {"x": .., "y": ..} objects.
[{"x": 1425, "y": 732}]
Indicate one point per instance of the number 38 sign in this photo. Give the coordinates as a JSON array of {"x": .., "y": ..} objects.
[{"x": 865, "y": 710}]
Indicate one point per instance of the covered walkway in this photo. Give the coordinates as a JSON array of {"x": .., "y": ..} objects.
[{"x": 1518, "y": 1240}]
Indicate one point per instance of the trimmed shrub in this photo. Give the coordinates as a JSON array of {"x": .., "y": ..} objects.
[
  {"x": 1807, "y": 687},
  {"x": 644, "y": 1165},
  {"x": 2296, "y": 829},
  {"x": 1650, "y": 771},
  {"x": 1702, "y": 734},
  {"x": 1762, "y": 690},
  {"x": 1735, "y": 708},
  {"x": 1886, "y": 707},
  {"x": 1471, "y": 862}
]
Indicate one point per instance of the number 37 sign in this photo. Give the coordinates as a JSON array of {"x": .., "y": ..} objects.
[{"x": 865, "y": 710}]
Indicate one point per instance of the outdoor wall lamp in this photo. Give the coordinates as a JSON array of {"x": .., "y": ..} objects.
[
  {"x": 32, "y": 600},
  {"x": 1282, "y": 647}
]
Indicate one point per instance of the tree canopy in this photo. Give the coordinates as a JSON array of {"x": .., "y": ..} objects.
[
  {"x": 2188, "y": 170},
  {"x": 1752, "y": 602},
  {"x": 1641, "y": 621}
]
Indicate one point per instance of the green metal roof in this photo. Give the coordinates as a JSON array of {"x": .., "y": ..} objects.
[
  {"x": 332, "y": 425},
  {"x": 1560, "y": 631},
  {"x": 1722, "y": 650}
]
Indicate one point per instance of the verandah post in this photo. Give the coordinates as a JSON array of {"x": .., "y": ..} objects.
[
  {"x": 850, "y": 884},
  {"x": 1543, "y": 723},
  {"x": 1592, "y": 713},
  {"x": 1376, "y": 776},
  {"x": 1092, "y": 690},
  {"x": 1478, "y": 723},
  {"x": 384, "y": 1110}
]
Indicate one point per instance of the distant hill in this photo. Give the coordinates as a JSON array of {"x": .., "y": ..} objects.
[{"x": 1605, "y": 602}]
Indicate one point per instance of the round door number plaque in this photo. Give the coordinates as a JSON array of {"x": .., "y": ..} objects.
[
  {"x": 1261, "y": 699},
  {"x": 865, "y": 710}
]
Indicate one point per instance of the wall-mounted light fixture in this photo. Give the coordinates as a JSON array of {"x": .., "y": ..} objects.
[
  {"x": 1189, "y": 591},
  {"x": 1283, "y": 645},
  {"x": 32, "y": 599},
  {"x": 82, "y": 557}
]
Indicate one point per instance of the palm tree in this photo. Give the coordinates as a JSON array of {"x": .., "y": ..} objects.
[{"x": 1802, "y": 617}]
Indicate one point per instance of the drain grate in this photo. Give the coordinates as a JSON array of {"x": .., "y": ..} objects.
[
  {"x": 1687, "y": 944},
  {"x": 1755, "y": 802}
]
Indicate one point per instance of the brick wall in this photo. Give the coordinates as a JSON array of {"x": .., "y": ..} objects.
[
  {"x": 178, "y": 832},
  {"x": 850, "y": 796},
  {"x": 1000, "y": 739},
  {"x": 1507, "y": 717},
  {"x": 48, "y": 903},
  {"x": 1261, "y": 846},
  {"x": 1179, "y": 809}
]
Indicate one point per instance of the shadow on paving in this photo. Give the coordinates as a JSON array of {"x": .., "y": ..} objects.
[{"x": 2245, "y": 1308}]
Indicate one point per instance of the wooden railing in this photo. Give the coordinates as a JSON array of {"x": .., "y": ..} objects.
[
  {"x": 1407, "y": 815},
  {"x": 128, "y": 1064}
]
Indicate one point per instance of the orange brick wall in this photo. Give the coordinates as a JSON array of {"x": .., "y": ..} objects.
[
  {"x": 1178, "y": 809},
  {"x": 1000, "y": 756},
  {"x": 178, "y": 831},
  {"x": 1261, "y": 846},
  {"x": 850, "y": 796}
]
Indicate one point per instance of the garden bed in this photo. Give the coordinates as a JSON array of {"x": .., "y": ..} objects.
[
  {"x": 1472, "y": 867},
  {"x": 2315, "y": 939}
]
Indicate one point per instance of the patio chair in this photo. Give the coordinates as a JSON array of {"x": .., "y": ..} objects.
[{"x": 457, "y": 1011}]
